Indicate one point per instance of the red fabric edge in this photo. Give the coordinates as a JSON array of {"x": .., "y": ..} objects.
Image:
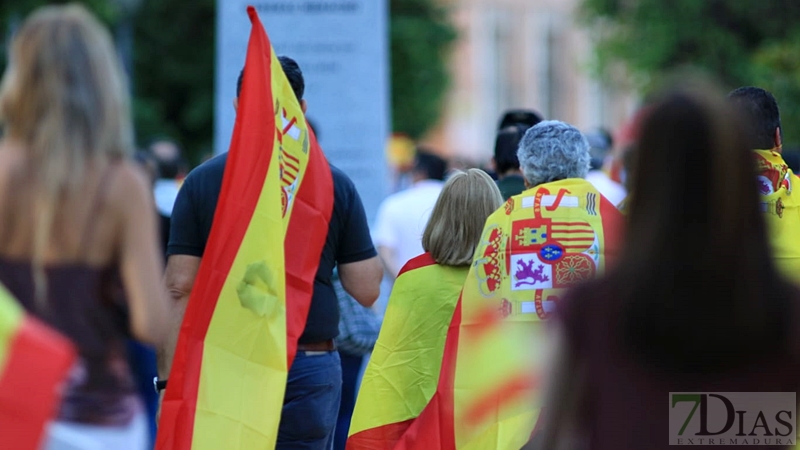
[
  {"x": 613, "y": 228},
  {"x": 384, "y": 437},
  {"x": 417, "y": 262},
  {"x": 237, "y": 201},
  {"x": 39, "y": 360}
]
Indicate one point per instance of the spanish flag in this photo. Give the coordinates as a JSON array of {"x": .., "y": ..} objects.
[
  {"x": 403, "y": 370},
  {"x": 781, "y": 210},
  {"x": 34, "y": 363},
  {"x": 539, "y": 244},
  {"x": 251, "y": 298}
]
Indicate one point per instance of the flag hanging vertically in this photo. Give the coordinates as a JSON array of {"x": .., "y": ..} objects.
[
  {"x": 253, "y": 289},
  {"x": 34, "y": 363},
  {"x": 539, "y": 244},
  {"x": 403, "y": 370}
]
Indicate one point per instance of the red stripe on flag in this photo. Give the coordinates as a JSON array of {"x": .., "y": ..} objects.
[
  {"x": 503, "y": 393},
  {"x": 38, "y": 362},
  {"x": 245, "y": 171},
  {"x": 586, "y": 239},
  {"x": 292, "y": 157},
  {"x": 289, "y": 165},
  {"x": 289, "y": 125},
  {"x": 572, "y": 224},
  {"x": 417, "y": 262},
  {"x": 384, "y": 437},
  {"x": 489, "y": 319}
]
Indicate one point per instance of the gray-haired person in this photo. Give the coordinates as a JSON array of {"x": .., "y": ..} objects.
[{"x": 552, "y": 151}]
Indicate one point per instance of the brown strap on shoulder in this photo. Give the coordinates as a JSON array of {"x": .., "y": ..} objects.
[{"x": 97, "y": 204}]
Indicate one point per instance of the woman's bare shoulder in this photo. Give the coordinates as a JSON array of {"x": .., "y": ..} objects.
[{"x": 129, "y": 187}]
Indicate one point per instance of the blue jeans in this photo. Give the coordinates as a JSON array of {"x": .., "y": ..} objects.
[
  {"x": 351, "y": 367},
  {"x": 311, "y": 402},
  {"x": 142, "y": 360}
]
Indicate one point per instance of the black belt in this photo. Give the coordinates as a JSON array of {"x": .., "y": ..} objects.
[{"x": 324, "y": 346}]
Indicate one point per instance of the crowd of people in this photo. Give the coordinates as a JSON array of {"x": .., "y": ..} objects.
[{"x": 661, "y": 258}]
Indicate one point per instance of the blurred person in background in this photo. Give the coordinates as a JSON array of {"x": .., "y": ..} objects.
[
  {"x": 403, "y": 372},
  {"x": 402, "y": 216},
  {"x": 719, "y": 318},
  {"x": 600, "y": 144},
  {"x": 78, "y": 232},
  {"x": 762, "y": 123},
  {"x": 610, "y": 178},
  {"x": 314, "y": 383},
  {"x": 513, "y": 125},
  {"x": 171, "y": 171}
]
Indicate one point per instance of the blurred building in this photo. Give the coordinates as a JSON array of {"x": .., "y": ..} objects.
[{"x": 521, "y": 53}]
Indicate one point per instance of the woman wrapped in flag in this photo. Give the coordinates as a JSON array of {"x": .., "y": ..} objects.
[
  {"x": 404, "y": 368},
  {"x": 78, "y": 237}
]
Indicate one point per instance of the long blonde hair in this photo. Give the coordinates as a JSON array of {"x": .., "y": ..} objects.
[
  {"x": 64, "y": 98},
  {"x": 457, "y": 220}
]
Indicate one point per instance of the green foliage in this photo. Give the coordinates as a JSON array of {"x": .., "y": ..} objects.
[
  {"x": 174, "y": 73},
  {"x": 173, "y": 64},
  {"x": 421, "y": 34},
  {"x": 14, "y": 11},
  {"x": 738, "y": 42}
]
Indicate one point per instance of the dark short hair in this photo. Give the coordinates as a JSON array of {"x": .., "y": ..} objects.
[
  {"x": 525, "y": 117},
  {"x": 505, "y": 148},
  {"x": 430, "y": 164},
  {"x": 293, "y": 74},
  {"x": 761, "y": 114}
]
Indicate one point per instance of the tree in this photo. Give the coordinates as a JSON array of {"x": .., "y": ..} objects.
[
  {"x": 421, "y": 34},
  {"x": 173, "y": 64},
  {"x": 174, "y": 73},
  {"x": 739, "y": 42},
  {"x": 13, "y": 12}
]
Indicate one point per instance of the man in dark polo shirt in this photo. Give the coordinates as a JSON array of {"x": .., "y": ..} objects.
[{"x": 313, "y": 389}]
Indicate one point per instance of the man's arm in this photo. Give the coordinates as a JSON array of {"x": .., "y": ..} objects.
[
  {"x": 179, "y": 279},
  {"x": 362, "y": 280}
]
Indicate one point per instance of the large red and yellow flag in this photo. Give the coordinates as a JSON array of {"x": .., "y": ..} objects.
[
  {"x": 534, "y": 248},
  {"x": 34, "y": 363},
  {"x": 251, "y": 298},
  {"x": 403, "y": 370}
]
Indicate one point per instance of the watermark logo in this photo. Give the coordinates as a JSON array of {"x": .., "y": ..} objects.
[{"x": 732, "y": 418}]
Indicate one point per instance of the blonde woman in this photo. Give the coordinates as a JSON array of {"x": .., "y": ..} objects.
[
  {"x": 78, "y": 239},
  {"x": 404, "y": 368}
]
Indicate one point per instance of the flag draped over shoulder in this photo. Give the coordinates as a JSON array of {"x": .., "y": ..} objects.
[
  {"x": 403, "y": 370},
  {"x": 253, "y": 289},
  {"x": 781, "y": 210},
  {"x": 540, "y": 243},
  {"x": 34, "y": 363}
]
